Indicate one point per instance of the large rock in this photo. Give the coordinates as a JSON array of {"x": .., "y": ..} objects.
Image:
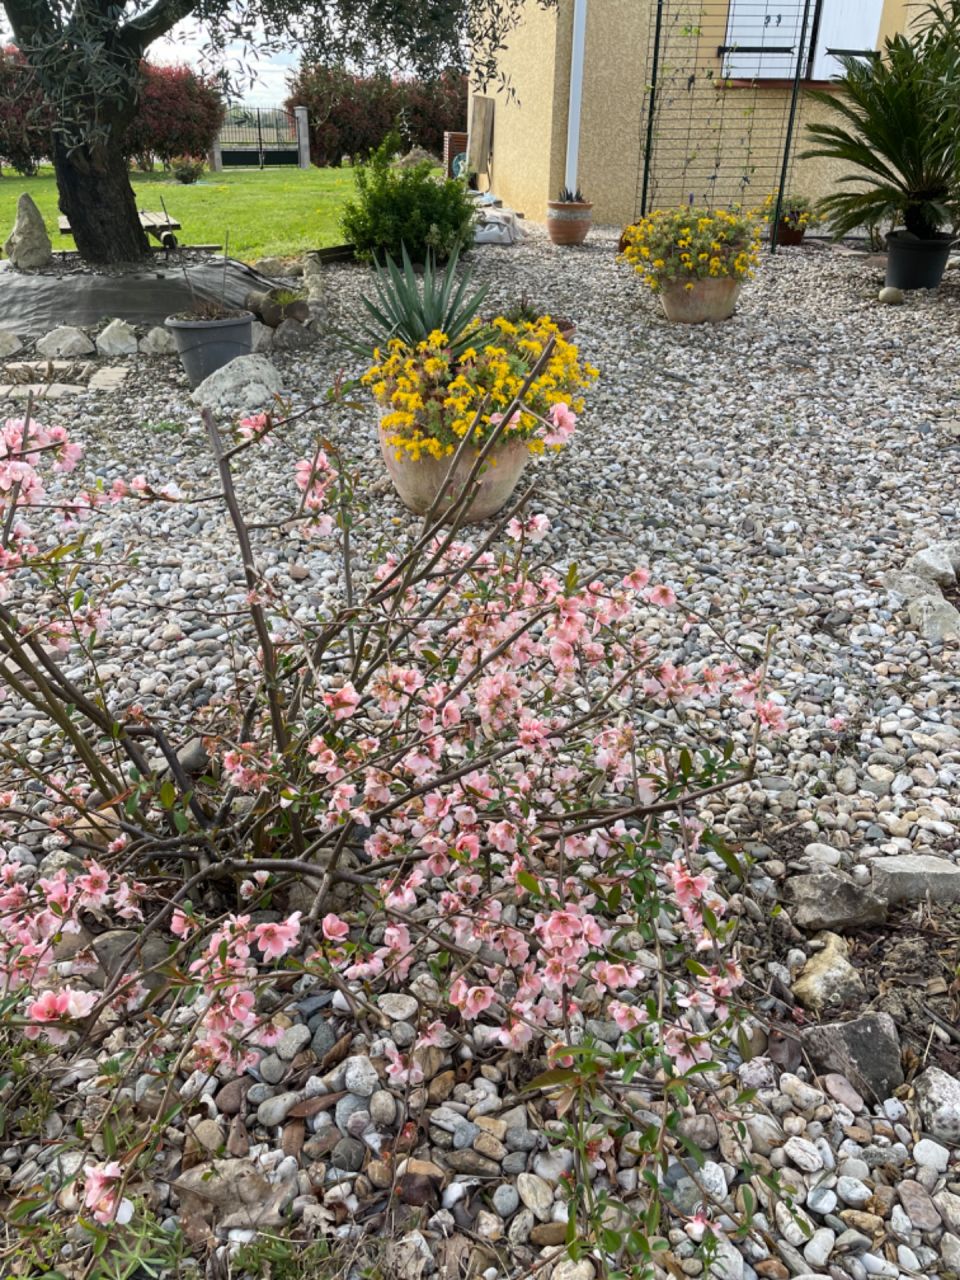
[
  {"x": 10, "y": 344},
  {"x": 910, "y": 877},
  {"x": 934, "y": 563},
  {"x": 111, "y": 947},
  {"x": 904, "y": 585},
  {"x": 65, "y": 342},
  {"x": 158, "y": 342},
  {"x": 866, "y": 1050},
  {"x": 829, "y": 899},
  {"x": 828, "y": 978},
  {"x": 938, "y": 1101},
  {"x": 245, "y": 385},
  {"x": 262, "y": 336},
  {"x": 935, "y": 618},
  {"x": 313, "y": 280},
  {"x": 28, "y": 245},
  {"x": 117, "y": 339},
  {"x": 290, "y": 335}
]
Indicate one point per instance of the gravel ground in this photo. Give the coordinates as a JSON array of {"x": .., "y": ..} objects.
[{"x": 774, "y": 469}]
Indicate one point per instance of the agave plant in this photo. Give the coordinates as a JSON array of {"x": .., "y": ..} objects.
[
  {"x": 897, "y": 134},
  {"x": 407, "y": 309}
]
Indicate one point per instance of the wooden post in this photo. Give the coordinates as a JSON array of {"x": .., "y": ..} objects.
[{"x": 480, "y": 140}]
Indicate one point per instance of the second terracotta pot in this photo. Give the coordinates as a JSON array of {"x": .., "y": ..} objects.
[{"x": 569, "y": 221}]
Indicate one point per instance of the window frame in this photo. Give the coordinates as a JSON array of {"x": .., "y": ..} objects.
[{"x": 811, "y": 55}]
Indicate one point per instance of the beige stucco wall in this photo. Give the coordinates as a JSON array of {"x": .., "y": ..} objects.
[
  {"x": 744, "y": 130},
  {"x": 529, "y": 129}
]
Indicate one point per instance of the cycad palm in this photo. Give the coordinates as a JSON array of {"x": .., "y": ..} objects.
[{"x": 897, "y": 133}]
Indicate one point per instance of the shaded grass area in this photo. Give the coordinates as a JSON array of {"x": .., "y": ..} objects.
[{"x": 265, "y": 212}]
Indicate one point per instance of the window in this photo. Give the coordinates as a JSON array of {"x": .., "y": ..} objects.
[{"x": 763, "y": 37}]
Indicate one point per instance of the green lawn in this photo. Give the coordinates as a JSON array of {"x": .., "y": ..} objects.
[{"x": 273, "y": 211}]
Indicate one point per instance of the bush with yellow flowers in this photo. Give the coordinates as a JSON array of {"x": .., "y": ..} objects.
[
  {"x": 795, "y": 210},
  {"x": 681, "y": 246},
  {"x": 429, "y": 397}
]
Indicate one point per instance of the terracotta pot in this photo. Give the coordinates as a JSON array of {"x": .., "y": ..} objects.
[
  {"x": 418, "y": 483},
  {"x": 787, "y": 233},
  {"x": 707, "y": 302},
  {"x": 569, "y": 221}
]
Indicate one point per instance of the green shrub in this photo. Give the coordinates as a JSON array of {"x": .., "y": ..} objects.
[{"x": 397, "y": 207}]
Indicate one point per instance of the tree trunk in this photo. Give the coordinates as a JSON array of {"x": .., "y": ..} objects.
[{"x": 96, "y": 196}]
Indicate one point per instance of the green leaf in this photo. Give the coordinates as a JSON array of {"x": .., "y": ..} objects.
[
  {"x": 556, "y": 1075},
  {"x": 528, "y": 881},
  {"x": 168, "y": 795}
]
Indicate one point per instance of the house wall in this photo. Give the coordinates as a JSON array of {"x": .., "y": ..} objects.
[
  {"x": 530, "y": 133},
  {"x": 529, "y": 129}
]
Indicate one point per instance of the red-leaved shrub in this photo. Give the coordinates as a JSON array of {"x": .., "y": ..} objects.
[
  {"x": 351, "y": 115},
  {"x": 25, "y": 119},
  {"x": 179, "y": 114}
]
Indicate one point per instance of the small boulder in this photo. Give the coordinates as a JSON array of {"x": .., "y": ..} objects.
[
  {"x": 64, "y": 342},
  {"x": 865, "y": 1050},
  {"x": 935, "y": 618},
  {"x": 938, "y": 1101},
  {"x": 245, "y": 385},
  {"x": 111, "y": 947},
  {"x": 275, "y": 268},
  {"x": 158, "y": 342},
  {"x": 262, "y": 336},
  {"x": 117, "y": 339},
  {"x": 828, "y": 978},
  {"x": 830, "y": 899},
  {"x": 10, "y": 344},
  {"x": 910, "y": 877},
  {"x": 28, "y": 245},
  {"x": 935, "y": 564},
  {"x": 904, "y": 585},
  {"x": 289, "y": 335}
]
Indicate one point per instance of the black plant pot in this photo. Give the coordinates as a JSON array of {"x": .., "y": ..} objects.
[{"x": 913, "y": 263}]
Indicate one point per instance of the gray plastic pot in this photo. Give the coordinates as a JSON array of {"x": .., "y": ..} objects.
[
  {"x": 913, "y": 263},
  {"x": 207, "y": 345}
]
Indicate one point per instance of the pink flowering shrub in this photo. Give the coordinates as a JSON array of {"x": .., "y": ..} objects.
[{"x": 474, "y": 762}]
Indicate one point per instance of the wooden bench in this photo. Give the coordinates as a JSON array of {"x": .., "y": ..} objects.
[{"x": 154, "y": 224}]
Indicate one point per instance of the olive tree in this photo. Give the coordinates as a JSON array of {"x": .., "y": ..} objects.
[{"x": 86, "y": 55}]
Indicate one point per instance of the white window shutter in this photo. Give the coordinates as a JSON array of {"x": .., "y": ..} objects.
[
  {"x": 764, "y": 24},
  {"x": 851, "y": 26}
]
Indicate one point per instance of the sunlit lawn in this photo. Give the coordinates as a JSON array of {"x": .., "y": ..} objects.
[{"x": 270, "y": 211}]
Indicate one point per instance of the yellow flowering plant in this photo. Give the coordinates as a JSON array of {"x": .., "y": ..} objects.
[
  {"x": 681, "y": 246},
  {"x": 795, "y": 210},
  {"x": 430, "y": 397}
]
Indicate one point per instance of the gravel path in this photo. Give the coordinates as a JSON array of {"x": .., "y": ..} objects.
[{"x": 774, "y": 469}]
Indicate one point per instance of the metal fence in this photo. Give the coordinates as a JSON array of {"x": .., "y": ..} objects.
[
  {"x": 724, "y": 82},
  {"x": 259, "y": 136}
]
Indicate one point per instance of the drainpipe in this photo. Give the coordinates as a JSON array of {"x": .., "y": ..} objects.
[{"x": 576, "y": 92}]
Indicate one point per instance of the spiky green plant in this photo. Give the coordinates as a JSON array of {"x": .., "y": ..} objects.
[
  {"x": 411, "y": 310},
  {"x": 896, "y": 135}
]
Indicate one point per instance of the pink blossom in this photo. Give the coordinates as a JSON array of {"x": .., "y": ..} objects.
[
  {"x": 534, "y": 528},
  {"x": 101, "y": 1193},
  {"x": 343, "y": 702},
  {"x": 334, "y": 929},
  {"x": 563, "y": 421},
  {"x": 276, "y": 939}
]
